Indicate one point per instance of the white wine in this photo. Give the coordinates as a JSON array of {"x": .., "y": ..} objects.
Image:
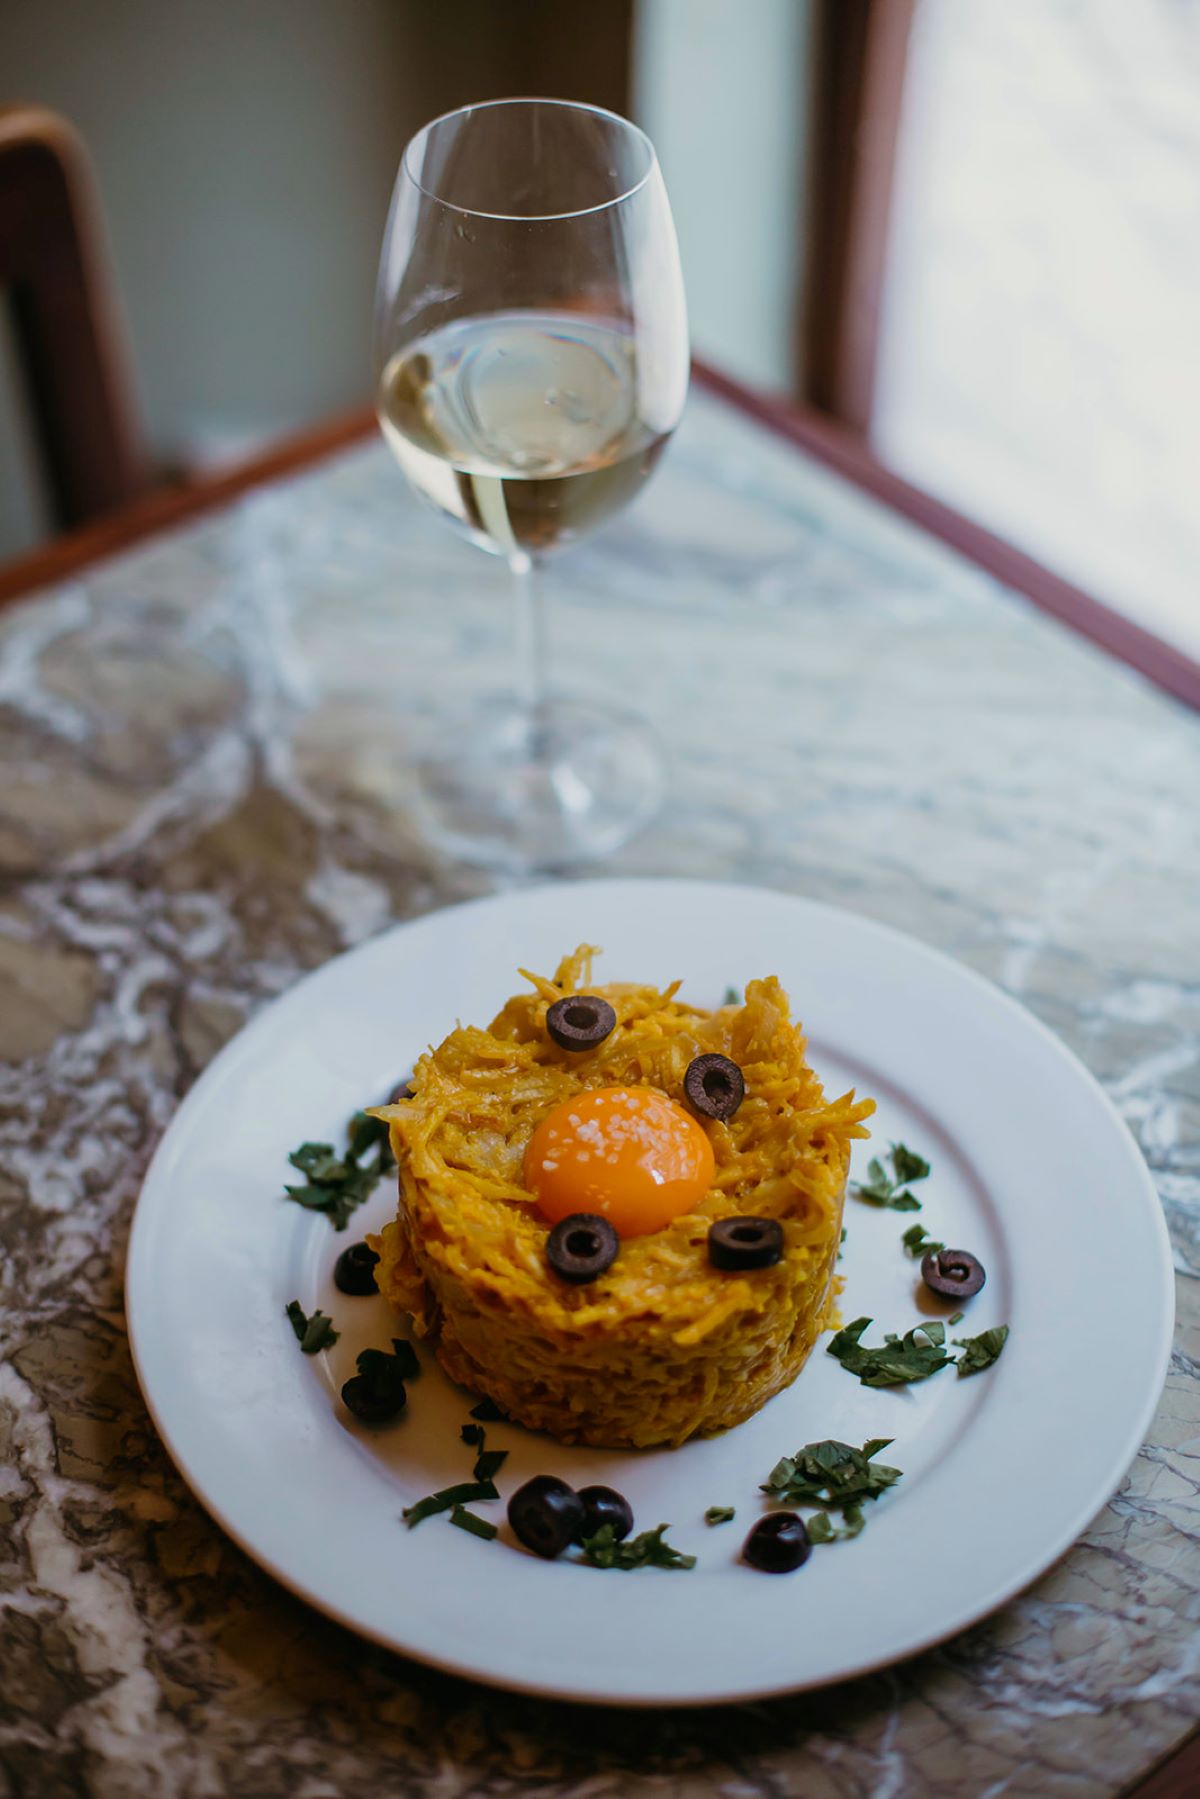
[{"x": 523, "y": 426}]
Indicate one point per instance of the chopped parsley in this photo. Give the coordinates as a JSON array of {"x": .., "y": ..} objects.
[
  {"x": 882, "y": 1189},
  {"x": 897, "y": 1361},
  {"x": 918, "y": 1242},
  {"x": 981, "y": 1351},
  {"x": 835, "y": 1476},
  {"x": 338, "y": 1184},
  {"x": 478, "y": 1527},
  {"x": 488, "y": 1462},
  {"x": 956, "y": 1318},
  {"x": 922, "y": 1351},
  {"x": 449, "y": 1497},
  {"x": 822, "y": 1529},
  {"x": 719, "y": 1514},
  {"x": 649, "y": 1550},
  {"x": 732, "y": 997},
  {"x": 313, "y": 1333}
]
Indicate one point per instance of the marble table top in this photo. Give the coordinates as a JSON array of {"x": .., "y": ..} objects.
[{"x": 204, "y": 794}]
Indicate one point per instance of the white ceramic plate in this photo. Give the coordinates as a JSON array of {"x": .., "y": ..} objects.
[{"x": 1032, "y": 1169}]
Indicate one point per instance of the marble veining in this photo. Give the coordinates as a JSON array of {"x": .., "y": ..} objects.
[{"x": 205, "y": 746}]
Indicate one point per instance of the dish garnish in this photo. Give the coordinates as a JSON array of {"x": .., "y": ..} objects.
[
  {"x": 981, "y": 1351},
  {"x": 354, "y": 1270},
  {"x": 836, "y": 1477},
  {"x": 918, "y": 1241},
  {"x": 377, "y": 1393},
  {"x": 313, "y": 1334},
  {"x": 892, "y": 1190},
  {"x": 778, "y": 1544},
  {"x": 649, "y": 1550},
  {"x": 920, "y": 1352},
  {"x": 952, "y": 1273},
  {"x": 338, "y": 1184}
]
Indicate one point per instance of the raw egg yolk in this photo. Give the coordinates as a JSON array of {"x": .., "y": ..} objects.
[{"x": 628, "y": 1153}]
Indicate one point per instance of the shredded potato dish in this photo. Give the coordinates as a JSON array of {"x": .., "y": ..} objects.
[{"x": 663, "y": 1344}]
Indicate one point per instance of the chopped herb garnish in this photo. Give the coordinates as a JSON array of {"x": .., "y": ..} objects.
[
  {"x": 337, "y": 1185},
  {"x": 841, "y": 1245},
  {"x": 956, "y": 1318},
  {"x": 312, "y": 1333},
  {"x": 980, "y": 1351},
  {"x": 489, "y": 1462},
  {"x": 488, "y": 1412},
  {"x": 918, "y": 1242},
  {"x": 719, "y": 1514},
  {"x": 478, "y": 1527},
  {"x": 732, "y": 997},
  {"x": 897, "y": 1361},
  {"x": 822, "y": 1529},
  {"x": 835, "y": 1475},
  {"x": 645, "y": 1551},
  {"x": 465, "y": 1491},
  {"x": 907, "y": 1164},
  {"x": 882, "y": 1189}
]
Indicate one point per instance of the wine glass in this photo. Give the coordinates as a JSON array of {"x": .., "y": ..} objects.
[{"x": 531, "y": 361}]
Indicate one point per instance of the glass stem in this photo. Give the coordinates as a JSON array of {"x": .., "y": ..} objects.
[{"x": 530, "y": 597}]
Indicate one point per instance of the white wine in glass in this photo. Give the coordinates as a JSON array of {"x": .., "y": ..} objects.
[{"x": 532, "y": 361}]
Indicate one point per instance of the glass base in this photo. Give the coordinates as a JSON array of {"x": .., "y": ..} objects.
[{"x": 525, "y": 791}]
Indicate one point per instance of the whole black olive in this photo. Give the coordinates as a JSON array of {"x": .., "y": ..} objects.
[
  {"x": 546, "y": 1515},
  {"x": 374, "y": 1401},
  {"x": 582, "y": 1247},
  {"x": 778, "y": 1543},
  {"x": 604, "y": 1505},
  {"x": 714, "y": 1086},
  {"x": 738, "y": 1243},
  {"x": 354, "y": 1270},
  {"x": 580, "y": 1021},
  {"x": 952, "y": 1273}
]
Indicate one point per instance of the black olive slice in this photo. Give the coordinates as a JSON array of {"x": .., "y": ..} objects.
[
  {"x": 952, "y": 1273},
  {"x": 714, "y": 1086},
  {"x": 580, "y": 1021},
  {"x": 736, "y": 1243},
  {"x": 582, "y": 1247}
]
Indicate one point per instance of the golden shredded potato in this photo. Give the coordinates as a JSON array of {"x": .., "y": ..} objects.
[{"x": 663, "y": 1345}]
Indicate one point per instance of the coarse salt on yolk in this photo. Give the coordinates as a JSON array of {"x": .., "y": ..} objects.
[{"x": 628, "y": 1153}]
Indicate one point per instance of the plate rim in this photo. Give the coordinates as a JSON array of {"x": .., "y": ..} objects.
[{"x": 1000, "y": 1593}]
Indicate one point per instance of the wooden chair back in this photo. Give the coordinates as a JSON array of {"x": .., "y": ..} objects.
[{"x": 69, "y": 349}]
